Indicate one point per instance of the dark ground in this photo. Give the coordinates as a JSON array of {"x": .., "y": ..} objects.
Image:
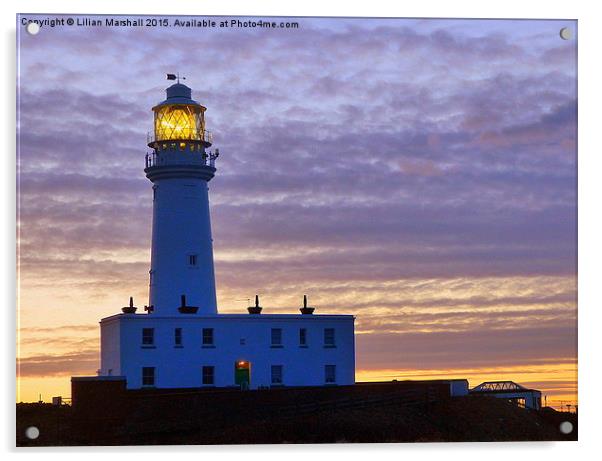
[{"x": 461, "y": 419}]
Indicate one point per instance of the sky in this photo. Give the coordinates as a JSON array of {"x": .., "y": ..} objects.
[{"x": 417, "y": 173}]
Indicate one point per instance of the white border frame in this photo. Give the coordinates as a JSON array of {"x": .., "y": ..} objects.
[{"x": 589, "y": 188}]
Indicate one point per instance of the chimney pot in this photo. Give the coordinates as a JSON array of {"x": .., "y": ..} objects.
[
  {"x": 255, "y": 309},
  {"x": 306, "y": 310},
  {"x": 129, "y": 309}
]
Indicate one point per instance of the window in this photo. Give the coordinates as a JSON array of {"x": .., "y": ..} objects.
[
  {"x": 148, "y": 376},
  {"x": 329, "y": 337},
  {"x": 302, "y": 337},
  {"x": 178, "y": 337},
  {"x": 276, "y": 337},
  {"x": 330, "y": 374},
  {"x": 276, "y": 374},
  {"x": 148, "y": 336},
  {"x": 208, "y": 375},
  {"x": 207, "y": 336},
  {"x": 192, "y": 260}
]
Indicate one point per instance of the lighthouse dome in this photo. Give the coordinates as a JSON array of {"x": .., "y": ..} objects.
[
  {"x": 178, "y": 93},
  {"x": 179, "y": 90}
]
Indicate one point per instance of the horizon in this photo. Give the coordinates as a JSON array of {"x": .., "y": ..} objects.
[{"x": 418, "y": 174}]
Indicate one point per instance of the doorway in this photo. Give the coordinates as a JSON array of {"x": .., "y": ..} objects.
[{"x": 242, "y": 373}]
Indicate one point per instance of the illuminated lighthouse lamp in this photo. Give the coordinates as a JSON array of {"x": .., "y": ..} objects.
[{"x": 179, "y": 122}]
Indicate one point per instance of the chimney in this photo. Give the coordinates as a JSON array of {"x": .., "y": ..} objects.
[
  {"x": 306, "y": 310},
  {"x": 255, "y": 309},
  {"x": 129, "y": 309}
]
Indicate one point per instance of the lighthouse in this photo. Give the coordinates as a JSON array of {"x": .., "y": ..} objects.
[
  {"x": 181, "y": 276},
  {"x": 180, "y": 340}
]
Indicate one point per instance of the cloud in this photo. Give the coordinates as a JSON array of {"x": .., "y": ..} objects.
[
  {"x": 478, "y": 348},
  {"x": 81, "y": 362}
]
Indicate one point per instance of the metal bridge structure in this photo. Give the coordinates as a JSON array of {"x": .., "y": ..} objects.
[{"x": 509, "y": 390}]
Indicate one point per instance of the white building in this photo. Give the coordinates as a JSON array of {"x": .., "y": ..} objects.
[{"x": 181, "y": 341}]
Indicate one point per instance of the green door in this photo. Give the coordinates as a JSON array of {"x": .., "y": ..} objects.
[{"x": 242, "y": 374}]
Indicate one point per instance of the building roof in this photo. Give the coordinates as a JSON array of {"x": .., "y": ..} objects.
[
  {"x": 223, "y": 317},
  {"x": 500, "y": 387}
]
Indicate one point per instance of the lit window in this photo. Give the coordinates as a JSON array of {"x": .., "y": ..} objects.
[
  {"x": 148, "y": 376},
  {"x": 178, "y": 336},
  {"x": 276, "y": 337},
  {"x": 329, "y": 337},
  {"x": 192, "y": 260},
  {"x": 207, "y": 336},
  {"x": 330, "y": 374},
  {"x": 148, "y": 336},
  {"x": 276, "y": 374},
  {"x": 302, "y": 337},
  {"x": 208, "y": 375},
  {"x": 182, "y": 145}
]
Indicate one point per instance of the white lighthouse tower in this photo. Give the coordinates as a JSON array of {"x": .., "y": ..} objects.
[{"x": 181, "y": 276}]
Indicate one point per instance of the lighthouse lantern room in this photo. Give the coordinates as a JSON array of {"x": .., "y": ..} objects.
[{"x": 180, "y": 118}]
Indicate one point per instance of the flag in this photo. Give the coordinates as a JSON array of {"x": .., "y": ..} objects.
[{"x": 171, "y": 76}]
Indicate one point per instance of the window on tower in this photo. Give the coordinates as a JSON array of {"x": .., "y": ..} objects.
[
  {"x": 192, "y": 260},
  {"x": 178, "y": 337}
]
